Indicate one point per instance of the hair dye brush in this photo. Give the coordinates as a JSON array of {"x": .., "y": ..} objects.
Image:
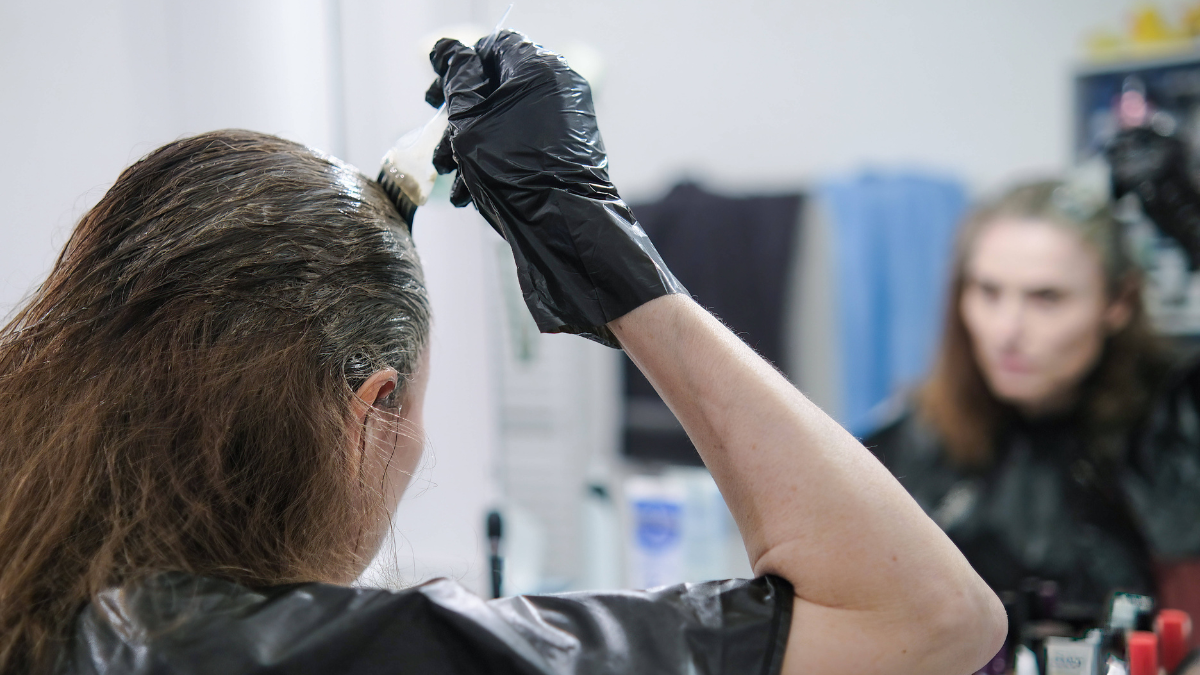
[{"x": 407, "y": 174}]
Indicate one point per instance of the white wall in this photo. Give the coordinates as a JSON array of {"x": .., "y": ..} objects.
[
  {"x": 90, "y": 87},
  {"x": 777, "y": 92}
]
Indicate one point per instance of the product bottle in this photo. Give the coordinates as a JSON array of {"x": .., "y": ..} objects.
[
  {"x": 1173, "y": 628},
  {"x": 1141, "y": 652}
]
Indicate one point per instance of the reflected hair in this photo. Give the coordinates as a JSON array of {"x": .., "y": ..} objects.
[
  {"x": 956, "y": 399},
  {"x": 176, "y": 395}
]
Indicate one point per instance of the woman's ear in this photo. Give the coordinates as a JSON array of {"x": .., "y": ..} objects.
[
  {"x": 1119, "y": 312},
  {"x": 378, "y": 391}
]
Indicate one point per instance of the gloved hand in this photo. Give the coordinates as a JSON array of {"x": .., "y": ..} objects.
[
  {"x": 1141, "y": 155},
  {"x": 524, "y": 140},
  {"x": 1155, "y": 168}
]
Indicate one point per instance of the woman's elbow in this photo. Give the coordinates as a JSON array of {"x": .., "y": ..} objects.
[{"x": 966, "y": 628}]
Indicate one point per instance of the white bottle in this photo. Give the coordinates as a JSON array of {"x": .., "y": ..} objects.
[{"x": 656, "y": 517}]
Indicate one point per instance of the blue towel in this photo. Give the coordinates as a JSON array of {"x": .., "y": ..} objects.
[{"x": 893, "y": 237}]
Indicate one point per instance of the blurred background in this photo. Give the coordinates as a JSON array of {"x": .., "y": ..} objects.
[{"x": 797, "y": 121}]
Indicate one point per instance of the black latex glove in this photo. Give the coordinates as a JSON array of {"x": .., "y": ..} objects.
[
  {"x": 1155, "y": 168},
  {"x": 524, "y": 140}
]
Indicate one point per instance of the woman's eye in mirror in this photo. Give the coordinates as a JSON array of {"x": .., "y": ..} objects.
[
  {"x": 983, "y": 290},
  {"x": 1047, "y": 296}
]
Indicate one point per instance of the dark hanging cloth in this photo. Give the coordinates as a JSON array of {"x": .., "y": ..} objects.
[
  {"x": 735, "y": 256},
  {"x": 176, "y": 623}
]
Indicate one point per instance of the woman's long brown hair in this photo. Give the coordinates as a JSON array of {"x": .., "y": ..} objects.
[
  {"x": 956, "y": 399},
  {"x": 175, "y": 396}
]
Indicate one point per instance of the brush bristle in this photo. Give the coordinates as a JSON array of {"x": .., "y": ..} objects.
[{"x": 403, "y": 204}]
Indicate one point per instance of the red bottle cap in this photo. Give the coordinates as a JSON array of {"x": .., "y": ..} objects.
[
  {"x": 1141, "y": 650},
  {"x": 1173, "y": 628}
]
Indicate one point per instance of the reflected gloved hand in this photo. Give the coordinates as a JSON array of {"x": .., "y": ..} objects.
[
  {"x": 1155, "y": 168},
  {"x": 524, "y": 140}
]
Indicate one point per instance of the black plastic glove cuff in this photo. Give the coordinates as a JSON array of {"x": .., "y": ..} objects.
[{"x": 599, "y": 268}]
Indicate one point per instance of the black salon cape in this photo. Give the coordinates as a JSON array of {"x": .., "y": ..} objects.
[
  {"x": 1047, "y": 509},
  {"x": 175, "y": 623}
]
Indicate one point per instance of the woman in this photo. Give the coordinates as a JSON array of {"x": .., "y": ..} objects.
[
  {"x": 1055, "y": 438},
  {"x": 213, "y": 404}
]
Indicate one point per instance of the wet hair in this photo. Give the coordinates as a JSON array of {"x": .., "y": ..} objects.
[
  {"x": 956, "y": 399},
  {"x": 177, "y": 394}
]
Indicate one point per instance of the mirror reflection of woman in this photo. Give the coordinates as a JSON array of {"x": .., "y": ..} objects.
[{"x": 1055, "y": 436}]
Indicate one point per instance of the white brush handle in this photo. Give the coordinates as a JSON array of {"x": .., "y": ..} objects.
[{"x": 409, "y": 164}]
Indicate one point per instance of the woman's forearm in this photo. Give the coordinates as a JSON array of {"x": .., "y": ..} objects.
[{"x": 812, "y": 504}]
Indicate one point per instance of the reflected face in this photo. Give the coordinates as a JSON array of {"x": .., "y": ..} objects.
[{"x": 1036, "y": 306}]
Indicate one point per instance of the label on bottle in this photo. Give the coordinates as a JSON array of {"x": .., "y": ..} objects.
[{"x": 1067, "y": 656}]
